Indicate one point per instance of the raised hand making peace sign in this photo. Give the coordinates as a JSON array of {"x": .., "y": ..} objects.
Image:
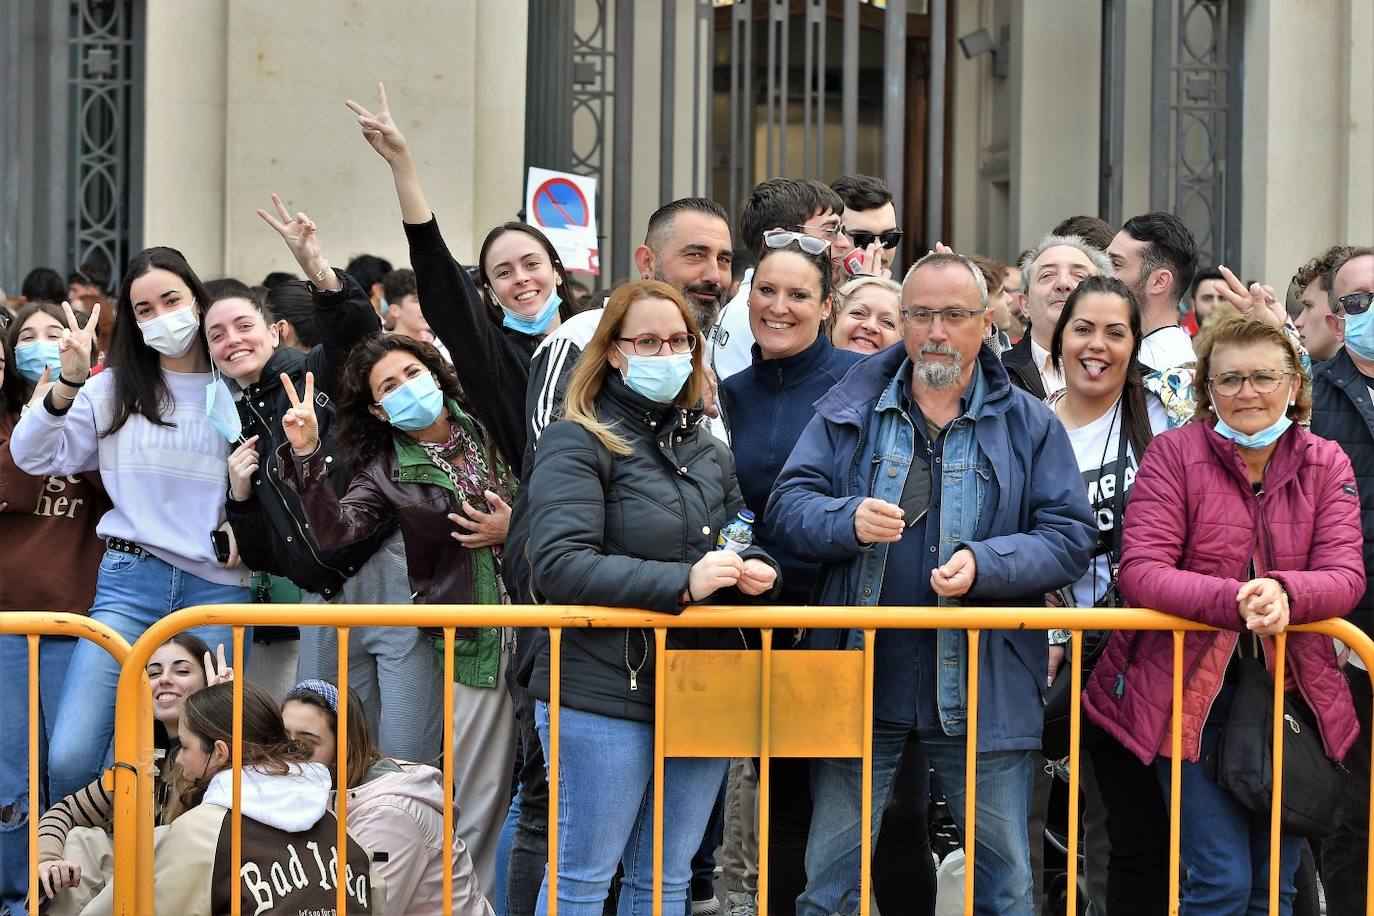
[
  {"x": 300, "y": 234},
  {"x": 299, "y": 424},
  {"x": 75, "y": 345},
  {"x": 379, "y": 130}
]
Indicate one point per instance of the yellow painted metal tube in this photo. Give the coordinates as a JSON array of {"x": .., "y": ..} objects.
[
  {"x": 555, "y": 699},
  {"x": 1075, "y": 717},
  {"x": 1175, "y": 773},
  {"x": 970, "y": 768},
  {"x": 1276, "y": 801},
  {"x": 34, "y": 797},
  {"x": 660, "y": 694},
  {"x": 866, "y": 783},
  {"x": 341, "y": 777},
  {"x": 765, "y": 773},
  {"x": 448, "y": 769},
  {"x": 133, "y": 813},
  {"x": 236, "y": 815}
]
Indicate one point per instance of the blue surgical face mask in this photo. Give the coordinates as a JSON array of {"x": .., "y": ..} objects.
[
  {"x": 33, "y": 356},
  {"x": 537, "y": 324},
  {"x": 222, "y": 411},
  {"x": 414, "y": 405},
  {"x": 384, "y": 305},
  {"x": 658, "y": 378},
  {"x": 1262, "y": 439},
  {"x": 1359, "y": 333}
]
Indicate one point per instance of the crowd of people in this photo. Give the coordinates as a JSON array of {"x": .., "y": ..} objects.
[{"x": 1103, "y": 423}]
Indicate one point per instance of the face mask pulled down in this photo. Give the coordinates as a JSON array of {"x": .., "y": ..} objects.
[{"x": 536, "y": 324}]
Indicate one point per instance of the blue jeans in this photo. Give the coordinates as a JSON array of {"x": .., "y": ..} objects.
[
  {"x": 1002, "y": 875},
  {"x": 131, "y": 594},
  {"x": 605, "y": 814},
  {"x": 1224, "y": 846},
  {"x": 54, "y": 655}
]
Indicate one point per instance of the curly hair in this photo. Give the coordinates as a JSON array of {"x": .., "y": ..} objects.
[
  {"x": 360, "y": 434},
  {"x": 1237, "y": 330}
]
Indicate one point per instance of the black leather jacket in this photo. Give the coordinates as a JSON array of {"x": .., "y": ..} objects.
[
  {"x": 270, "y": 526},
  {"x": 624, "y": 531}
]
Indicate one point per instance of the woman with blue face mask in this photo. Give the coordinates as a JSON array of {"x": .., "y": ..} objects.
[
  {"x": 420, "y": 455},
  {"x": 629, "y": 493},
  {"x": 1246, "y": 522},
  {"x": 142, "y": 422},
  {"x": 49, "y": 556}
]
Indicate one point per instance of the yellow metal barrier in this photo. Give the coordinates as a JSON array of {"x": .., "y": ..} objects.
[
  {"x": 709, "y": 704},
  {"x": 33, "y": 626}
]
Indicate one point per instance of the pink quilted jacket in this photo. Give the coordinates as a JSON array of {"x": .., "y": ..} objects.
[{"x": 1192, "y": 527}]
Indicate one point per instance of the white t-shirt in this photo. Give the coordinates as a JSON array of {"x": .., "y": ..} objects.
[
  {"x": 1098, "y": 449},
  {"x": 1166, "y": 348},
  {"x": 732, "y": 339}
]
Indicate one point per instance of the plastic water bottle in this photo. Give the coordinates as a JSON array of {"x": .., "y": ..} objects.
[{"x": 737, "y": 535}]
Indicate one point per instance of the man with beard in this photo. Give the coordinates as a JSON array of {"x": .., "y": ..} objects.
[
  {"x": 953, "y": 494},
  {"x": 687, "y": 245},
  {"x": 1156, "y": 256},
  {"x": 1049, "y": 272}
]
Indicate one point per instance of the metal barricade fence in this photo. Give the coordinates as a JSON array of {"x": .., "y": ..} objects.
[
  {"x": 709, "y": 703},
  {"x": 33, "y": 626}
]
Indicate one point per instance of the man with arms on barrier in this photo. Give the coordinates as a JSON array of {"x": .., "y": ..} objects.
[
  {"x": 1342, "y": 411},
  {"x": 926, "y": 479}
]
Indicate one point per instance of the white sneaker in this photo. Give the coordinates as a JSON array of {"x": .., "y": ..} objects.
[
  {"x": 707, "y": 907},
  {"x": 740, "y": 904}
]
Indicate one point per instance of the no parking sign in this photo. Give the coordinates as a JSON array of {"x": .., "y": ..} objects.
[{"x": 560, "y": 205}]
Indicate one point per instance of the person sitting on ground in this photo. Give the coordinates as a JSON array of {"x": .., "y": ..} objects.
[
  {"x": 74, "y": 848},
  {"x": 395, "y": 808}
]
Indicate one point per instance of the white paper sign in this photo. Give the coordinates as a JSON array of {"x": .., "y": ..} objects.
[{"x": 562, "y": 206}]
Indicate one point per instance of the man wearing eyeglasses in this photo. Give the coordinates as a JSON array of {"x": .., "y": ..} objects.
[
  {"x": 1343, "y": 410},
  {"x": 870, "y": 221},
  {"x": 925, "y": 479}
]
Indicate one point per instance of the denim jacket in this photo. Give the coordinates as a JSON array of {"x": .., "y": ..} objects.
[{"x": 1011, "y": 495}]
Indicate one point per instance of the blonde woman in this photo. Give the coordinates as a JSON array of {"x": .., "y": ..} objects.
[
  {"x": 630, "y": 491},
  {"x": 866, "y": 318}
]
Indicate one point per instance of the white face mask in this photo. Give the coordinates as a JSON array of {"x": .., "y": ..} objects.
[{"x": 171, "y": 333}]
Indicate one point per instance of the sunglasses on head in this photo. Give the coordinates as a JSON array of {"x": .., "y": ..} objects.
[
  {"x": 781, "y": 238},
  {"x": 862, "y": 238},
  {"x": 1356, "y": 303}
]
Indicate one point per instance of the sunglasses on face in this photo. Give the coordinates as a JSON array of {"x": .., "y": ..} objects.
[
  {"x": 862, "y": 238},
  {"x": 1356, "y": 303},
  {"x": 781, "y": 238}
]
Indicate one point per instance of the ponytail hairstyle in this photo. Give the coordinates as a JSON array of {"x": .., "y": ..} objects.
[
  {"x": 139, "y": 388},
  {"x": 324, "y": 696},
  {"x": 1135, "y": 414}
]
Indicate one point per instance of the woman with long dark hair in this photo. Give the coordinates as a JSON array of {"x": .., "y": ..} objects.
[
  {"x": 1110, "y": 419},
  {"x": 143, "y": 424},
  {"x": 420, "y": 455},
  {"x": 629, "y": 493}
]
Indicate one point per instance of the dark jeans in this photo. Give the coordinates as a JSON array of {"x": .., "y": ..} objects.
[
  {"x": 903, "y": 867},
  {"x": 1344, "y": 854},
  {"x": 1137, "y": 827},
  {"x": 529, "y": 851}
]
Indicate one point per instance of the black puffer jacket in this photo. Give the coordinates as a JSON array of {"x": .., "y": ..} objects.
[
  {"x": 270, "y": 526},
  {"x": 624, "y": 532},
  {"x": 1343, "y": 412}
]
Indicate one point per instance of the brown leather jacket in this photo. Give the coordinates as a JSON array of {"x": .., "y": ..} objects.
[{"x": 400, "y": 484}]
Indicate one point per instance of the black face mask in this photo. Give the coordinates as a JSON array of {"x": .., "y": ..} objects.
[{"x": 915, "y": 499}]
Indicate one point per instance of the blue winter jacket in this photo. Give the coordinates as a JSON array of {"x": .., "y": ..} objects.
[{"x": 1033, "y": 528}]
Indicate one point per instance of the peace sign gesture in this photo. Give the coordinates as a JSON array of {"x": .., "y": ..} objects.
[
  {"x": 222, "y": 674},
  {"x": 302, "y": 430},
  {"x": 1257, "y": 302},
  {"x": 75, "y": 345},
  {"x": 300, "y": 234},
  {"x": 379, "y": 130}
]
